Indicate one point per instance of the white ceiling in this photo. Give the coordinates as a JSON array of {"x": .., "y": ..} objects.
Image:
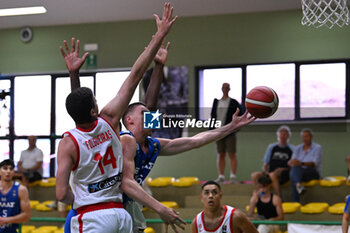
[{"x": 60, "y": 12}]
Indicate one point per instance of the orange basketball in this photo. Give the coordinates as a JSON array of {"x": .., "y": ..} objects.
[{"x": 261, "y": 102}]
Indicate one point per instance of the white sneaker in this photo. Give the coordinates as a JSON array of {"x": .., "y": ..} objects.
[
  {"x": 233, "y": 180},
  {"x": 300, "y": 189},
  {"x": 220, "y": 180}
]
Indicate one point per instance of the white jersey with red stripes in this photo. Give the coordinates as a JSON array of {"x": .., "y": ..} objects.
[
  {"x": 96, "y": 176},
  {"x": 225, "y": 225}
]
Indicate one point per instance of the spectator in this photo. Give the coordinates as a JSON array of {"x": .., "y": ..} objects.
[
  {"x": 31, "y": 162},
  {"x": 269, "y": 205},
  {"x": 14, "y": 199},
  {"x": 217, "y": 217},
  {"x": 346, "y": 216},
  {"x": 276, "y": 160},
  {"x": 306, "y": 163},
  {"x": 223, "y": 110}
]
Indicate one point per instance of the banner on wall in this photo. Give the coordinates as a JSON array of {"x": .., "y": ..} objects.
[{"x": 297, "y": 228}]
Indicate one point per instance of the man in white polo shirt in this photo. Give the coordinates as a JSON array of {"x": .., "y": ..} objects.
[{"x": 31, "y": 162}]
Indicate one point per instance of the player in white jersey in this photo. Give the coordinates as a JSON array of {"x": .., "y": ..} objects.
[
  {"x": 219, "y": 218},
  {"x": 93, "y": 151}
]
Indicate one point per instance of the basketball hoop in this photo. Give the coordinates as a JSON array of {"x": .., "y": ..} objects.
[{"x": 325, "y": 12}]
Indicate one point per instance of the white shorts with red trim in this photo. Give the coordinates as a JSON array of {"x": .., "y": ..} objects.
[{"x": 104, "y": 220}]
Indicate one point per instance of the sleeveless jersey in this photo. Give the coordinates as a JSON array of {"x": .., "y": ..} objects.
[
  {"x": 10, "y": 206},
  {"x": 268, "y": 210},
  {"x": 279, "y": 157},
  {"x": 225, "y": 225},
  {"x": 96, "y": 176},
  {"x": 144, "y": 162}
]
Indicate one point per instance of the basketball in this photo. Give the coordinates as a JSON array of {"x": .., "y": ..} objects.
[{"x": 261, "y": 102}]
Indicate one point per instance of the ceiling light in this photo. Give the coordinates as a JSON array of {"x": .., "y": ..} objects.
[{"x": 23, "y": 11}]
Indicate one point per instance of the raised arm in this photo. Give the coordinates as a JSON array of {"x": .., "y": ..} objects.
[
  {"x": 24, "y": 216},
  {"x": 115, "y": 109},
  {"x": 73, "y": 62},
  {"x": 152, "y": 93},
  {"x": 136, "y": 192},
  {"x": 179, "y": 145}
]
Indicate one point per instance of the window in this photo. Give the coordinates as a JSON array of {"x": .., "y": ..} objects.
[
  {"x": 4, "y": 107},
  {"x": 108, "y": 85},
  {"x": 4, "y": 149},
  {"x": 306, "y": 90},
  {"x": 210, "y": 83},
  {"x": 279, "y": 77},
  {"x": 322, "y": 90},
  {"x": 63, "y": 121},
  {"x": 32, "y": 105},
  {"x": 42, "y": 144}
]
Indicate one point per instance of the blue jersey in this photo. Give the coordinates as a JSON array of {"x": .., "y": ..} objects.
[
  {"x": 144, "y": 162},
  {"x": 10, "y": 206},
  {"x": 347, "y": 206}
]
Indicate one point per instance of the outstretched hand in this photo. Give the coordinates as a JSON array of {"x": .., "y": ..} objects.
[
  {"x": 172, "y": 218},
  {"x": 71, "y": 57},
  {"x": 162, "y": 54},
  {"x": 167, "y": 20},
  {"x": 241, "y": 121}
]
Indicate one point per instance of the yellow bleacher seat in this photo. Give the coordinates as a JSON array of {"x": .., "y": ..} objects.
[
  {"x": 49, "y": 229},
  {"x": 35, "y": 183},
  {"x": 68, "y": 207},
  {"x": 332, "y": 181},
  {"x": 33, "y": 203},
  {"x": 160, "y": 181},
  {"x": 42, "y": 206},
  {"x": 247, "y": 209},
  {"x": 61, "y": 230},
  {"x": 27, "y": 228},
  {"x": 310, "y": 183},
  {"x": 314, "y": 208},
  {"x": 337, "y": 208},
  {"x": 149, "y": 230},
  {"x": 170, "y": 204},
  {"x": 347, "y": 183},
  {"x": 50, "y": 182},
  {"x": 185, "y": 181},
  {"x": 290, "y": 207}
]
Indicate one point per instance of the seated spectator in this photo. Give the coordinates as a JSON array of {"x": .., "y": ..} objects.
[
  {"x": 306, "y": 163},
  {"x": 30, "y": 162},
  {"x": 276, "y": 160},
  {"x": 269, "y": 205}
]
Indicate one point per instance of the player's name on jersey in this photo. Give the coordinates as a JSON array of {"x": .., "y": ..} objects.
[{"x": 98, "y": 140}]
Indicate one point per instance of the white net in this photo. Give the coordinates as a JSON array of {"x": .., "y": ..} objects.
[{"x": 325, "y": 13}]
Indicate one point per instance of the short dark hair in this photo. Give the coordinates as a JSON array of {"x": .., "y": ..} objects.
[
  {"x": 7, "y": 162},
  {"x": 130, "y": 109},
  {"x": 211, "y": 182},
  {"x": 79, "y": 104},
  {"x": 264, "y": 180}
]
